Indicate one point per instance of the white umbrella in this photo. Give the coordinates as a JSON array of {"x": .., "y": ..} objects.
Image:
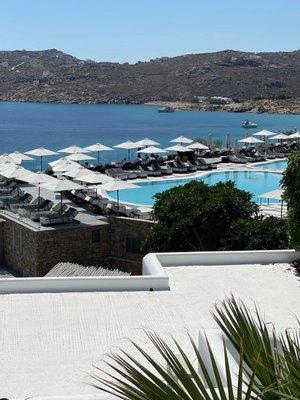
[
  {"x": 5, "y": 158},
  {"x": 128, "y": 145},
  {"x": 20, "y": 156},
  {"x": 94, "y": 178},
  {"x": 11, "y": 170},
  {"x": 73, "y": 150},
  {"x": 38, "y": 179},
  {"x": 97, "y": 147},
  {"x": 40, "y": 152},
  {"x": 66, "y": 166},
  {"x": 79, "y": 157},
  {"x": 152, "y": 150},
  {"x": 116, "y": 185},
  {"x": 251, "y": 140},
  {"x": 280, "y": 136},
  {"x": 181, "y": 139},
  {"x": 197, "y": 146},
  {"x": 264, "y": 133},
  {"x": 146, "y": 142},
  {"x": 61, "y": 185},
  {"x": 76, "y": 172},
  {"x": 178, "y": 148},
  {"x": 295, "y": 135}
]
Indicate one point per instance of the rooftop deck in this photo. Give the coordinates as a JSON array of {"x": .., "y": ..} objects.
[{"x": 50, "y": 341}]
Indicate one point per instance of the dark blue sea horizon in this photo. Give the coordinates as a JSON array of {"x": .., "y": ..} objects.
[{"x": 24, "y": 126}]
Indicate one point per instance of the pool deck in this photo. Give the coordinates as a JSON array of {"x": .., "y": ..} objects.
[{"x": 49, "y": 342}]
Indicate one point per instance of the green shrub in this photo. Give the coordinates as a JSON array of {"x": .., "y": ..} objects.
[
  {"x": 291, "y": 185},
  {"x": 259, "y": 233}
]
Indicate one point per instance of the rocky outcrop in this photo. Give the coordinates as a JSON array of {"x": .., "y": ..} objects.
[{"x": 52, "y": 76}]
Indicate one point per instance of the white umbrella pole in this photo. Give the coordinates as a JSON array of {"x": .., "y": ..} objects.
[
  {"x": 41, "y": 163},
  {"x": 118, "y": 199}
]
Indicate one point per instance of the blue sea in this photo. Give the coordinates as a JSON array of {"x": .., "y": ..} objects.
[{"x": 24, "y": 126}]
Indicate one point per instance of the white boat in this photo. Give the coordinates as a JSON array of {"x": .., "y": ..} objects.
[
  {"x": 248, "y": 124},
  {"x": 166, "y": 110}
]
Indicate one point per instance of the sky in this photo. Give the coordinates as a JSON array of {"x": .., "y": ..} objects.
[{"x": 133, "y": 30}]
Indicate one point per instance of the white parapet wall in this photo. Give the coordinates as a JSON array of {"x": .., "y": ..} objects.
[
  {"x": 155, "y": 261},
  {"x": 153, "y": 275}
]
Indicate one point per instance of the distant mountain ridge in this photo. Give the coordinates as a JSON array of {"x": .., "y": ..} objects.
[{"x": 53, "y": 76}]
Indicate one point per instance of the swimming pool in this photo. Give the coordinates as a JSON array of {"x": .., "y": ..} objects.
[
  {"x": 254, "y": 182},
  {"x": 278, "y": 164}
]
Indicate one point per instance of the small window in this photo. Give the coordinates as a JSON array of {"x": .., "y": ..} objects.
[
  {"x": 96, "y": 236},
  {"x": 133, "y": 245}
]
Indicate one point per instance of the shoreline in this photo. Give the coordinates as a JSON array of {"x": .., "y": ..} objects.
[{"x": 264, "y": 106}]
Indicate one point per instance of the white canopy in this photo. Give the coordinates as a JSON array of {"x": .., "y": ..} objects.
[
  {"x": 73, "y": 150},
  {"x": 76, "y": 172},
  {"x": 20, "y": 156},
  {"x": 5, "y": 158},
  {"x": 264, "y": 133},
  {"x": 146, "y": 142},
  {"x": 79, "y": 157},
  {"x": 39, "y": 178},
  {"x": 116, "y": 184},
  {"x": 151, "y": 150},
  {"x": 197, "y": 146},
  {"x": 61, "y": 185},
  {"x": 280, "y": 136},
  {"x": 251, "y": 140},
  {"x": 40, "y": 152},
  {"x": 295, "y": 135},
  {"x": 98, "y": 147},
  {"x": 94, "y": 178},
  {"x": 178, "y": 148},
  {"x": 65, "y": 165},
  {"x": 274, "y": 194},
  {"x": 11, "y": 170},
  {"x": 181, "y": 139},
  {"x": 128, "y": 145}
]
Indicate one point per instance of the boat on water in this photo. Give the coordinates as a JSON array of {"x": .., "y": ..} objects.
[
  {"x": 248, "y": 124},
  {"x": 166, "y": 110}
]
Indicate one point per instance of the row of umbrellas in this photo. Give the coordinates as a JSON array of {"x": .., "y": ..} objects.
[{"x": 268, "y": 135}]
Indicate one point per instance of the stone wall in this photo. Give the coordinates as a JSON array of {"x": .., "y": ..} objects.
[
  {"x": 126, "y": 236},
  {"x": 33, "y": 252}
]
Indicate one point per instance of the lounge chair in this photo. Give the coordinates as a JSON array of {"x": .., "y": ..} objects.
[
  {"x": 8, "y": 188},
  {"x": 165, "y": 169},
  {"x": 32, "y": 205},
  {"x": 151, "y": 170},
  {"x": 58, "y": 218},
  {"x": 190, "y": 167},
  {"x": 176, "y": 167},
  {"x": 22, "y": 198}
]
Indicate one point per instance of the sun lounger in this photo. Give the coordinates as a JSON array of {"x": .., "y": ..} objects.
[
  {"x": 24, "y": 199},
  {"x": 34, "y": 204},
  {"x": 190, "y": 167},
  {"x": 176, "y": 167},
  {"x": 165, "y": 169},
  {"x": 35, "y": 212},
  {"x": 58, "y": 218}
]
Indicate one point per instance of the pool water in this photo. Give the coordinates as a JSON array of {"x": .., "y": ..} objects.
[
  {"x": 254, "y": 182},
  {"x": 279, "y": 164}
]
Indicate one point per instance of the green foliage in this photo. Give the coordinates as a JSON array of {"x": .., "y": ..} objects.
[
  {"x": 291, "y": 185},
  {"x": 196, "y": 216},
  {"x": 258, "y": 233},
  {"x": 269, "y": 365}
]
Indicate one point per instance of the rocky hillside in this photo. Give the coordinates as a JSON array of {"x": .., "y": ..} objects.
[{"x": 52, "y": 76}]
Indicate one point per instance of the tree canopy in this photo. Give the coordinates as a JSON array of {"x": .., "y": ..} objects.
[
  {"x": 291, "y": 185},
  {"x": 197, "y": 217}
]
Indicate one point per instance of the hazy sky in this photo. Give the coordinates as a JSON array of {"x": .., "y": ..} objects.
[{"x": 132, "y": 30}]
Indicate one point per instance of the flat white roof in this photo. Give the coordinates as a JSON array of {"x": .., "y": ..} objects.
[{"x": 50, "y": 341}]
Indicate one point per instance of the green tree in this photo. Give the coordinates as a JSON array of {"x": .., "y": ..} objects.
[
  {"x": 291, "y": 185},
  {"x": 197, "y": 216},
  {"x": 258, "y": 233}
]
